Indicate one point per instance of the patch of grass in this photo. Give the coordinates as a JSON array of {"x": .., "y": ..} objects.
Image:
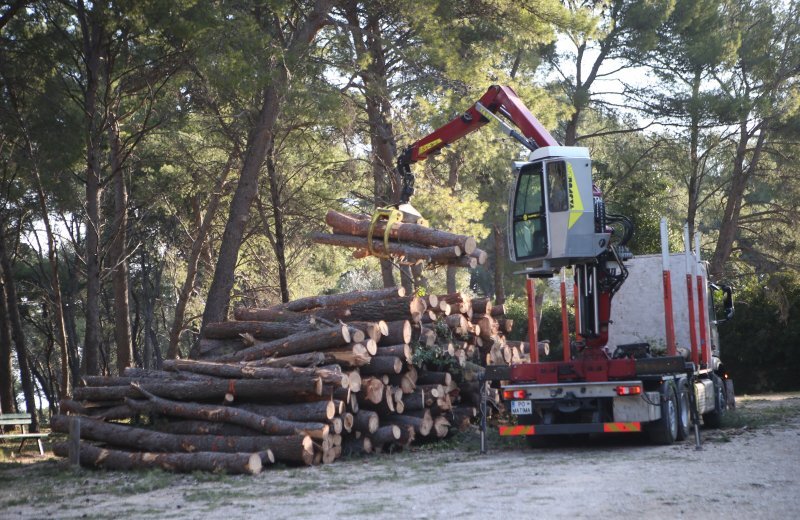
[
  {"x": 144, "y": 482},
  {"x": 369, "y": 508},
  {"x": 18, "y": 501},
  {"x": 754, "y": 418}
]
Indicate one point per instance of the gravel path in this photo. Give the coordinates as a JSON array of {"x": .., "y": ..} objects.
[{"x": 740, "y": 473}]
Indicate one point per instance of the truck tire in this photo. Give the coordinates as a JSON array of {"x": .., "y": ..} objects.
[
  {"x": 714, "y": 419},
  {"x": 684, "y": 412},
  {"x": 665, "y": 430}
]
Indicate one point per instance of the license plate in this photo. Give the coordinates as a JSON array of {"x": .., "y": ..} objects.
[{"x": 521, "y": 407}]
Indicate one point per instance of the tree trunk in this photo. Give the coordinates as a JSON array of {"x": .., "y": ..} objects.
[
  {"x": 118, "y": 252},
  {"x": 94, "y": 457},
  {"x": 260, "y": 140},
  {"x": 18, "y": 333},
  {"x": 279, "y": 245},
  {"x": 8, "y": 401},
  {"x": 192, "y": 263}
]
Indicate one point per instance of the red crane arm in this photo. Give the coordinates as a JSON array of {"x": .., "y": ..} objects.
[{"x": 497, "y": 99}]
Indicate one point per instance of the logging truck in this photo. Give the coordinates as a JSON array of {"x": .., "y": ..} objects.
[{"x": 659, "y": 371}]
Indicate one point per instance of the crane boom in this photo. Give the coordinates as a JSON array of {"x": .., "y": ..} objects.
[{"x": 497, "y": 100}]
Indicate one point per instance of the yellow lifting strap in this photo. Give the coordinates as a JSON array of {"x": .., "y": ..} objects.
[{"x": 391, "y": 216}]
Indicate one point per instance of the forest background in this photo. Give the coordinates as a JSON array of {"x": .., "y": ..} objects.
[{"x": 162, "y": 162}]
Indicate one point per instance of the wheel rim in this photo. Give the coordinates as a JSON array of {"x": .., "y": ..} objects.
[
  {"x": 673, "y": 418},
  {"x": 684, "y": 410}
]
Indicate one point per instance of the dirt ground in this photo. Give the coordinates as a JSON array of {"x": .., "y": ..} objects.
[{"x": 748, "y": 469}]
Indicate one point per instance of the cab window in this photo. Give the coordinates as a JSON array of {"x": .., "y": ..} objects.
[{"x": 529, "y": 223}]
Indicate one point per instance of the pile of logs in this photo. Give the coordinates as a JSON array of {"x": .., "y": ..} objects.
[
  {"x": 303, "y": 382},
  {"x": 409, "y": 242}
]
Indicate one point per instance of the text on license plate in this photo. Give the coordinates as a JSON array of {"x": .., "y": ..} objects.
[{"x": 521, "y": 407}]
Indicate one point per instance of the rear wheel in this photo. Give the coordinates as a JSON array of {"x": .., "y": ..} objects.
[
  {"x": 684, "y": 412},
  {"x": 665, "y": 430},
  {"x": 714, "y": 419}
]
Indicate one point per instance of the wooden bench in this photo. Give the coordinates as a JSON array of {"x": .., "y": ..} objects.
[{"x": 22, "y": 421}]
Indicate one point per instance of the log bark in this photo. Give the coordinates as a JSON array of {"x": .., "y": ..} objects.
[
  {"x": 425, "y": 377},
  {"x": 407, "y": 435},
  {"x": 233, "y": 463},
  {"x": 356, "y": 447},
  {"x": 301, "y": 343},
  {"x": 373, "y": 330},
  {"x": 318, "y": 411},
  {"x": 366, "y": 421},
  {"x": 199, "y": 427},
  {"x": 403, "y": 351},
  {"x": 422, "y": 426},
  {"x": 382, "y": 365},
  {"x": 397, "y": 332},
  {"x": 205, "y": 412},
  {"x": 103, "y": 413},
  {"x": 292, "y": 389},
  {"x": 327, "y": 375},
  {"x": 405, "y": 381},
  {"x": 258, "y": 329},
  {"x": 407, "y": 252},
  {"x": 286, "y": 448},
  {"x": 339, "y": 300},
  {"x": 482, "y": 305},
  {"x": 207, "y": 347},
  {"x": 350, "y": 225},
  {"x": 469, "y": 262},
  {"x": 481, "y": 255},
  {"x": 309, "y": 359},
  {"x": 350, "y": 357},
  {"x": 385, "y": 435},
  {"x": 275, "y": 314}
]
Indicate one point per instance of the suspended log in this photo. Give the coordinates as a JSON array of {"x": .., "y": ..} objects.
[
  {"x": 481, "y": 255},
  {"x": 346, "y": 224},
  {"x": 300, "y": 343},
  {"x": 366, "y": 421},
  {"x": 469, "y": 262},
  {"x": 341, "y": 299},
  {"x": 402, "y": 351},
  {"x": 319, "y": 411},
  {"x": 233, "y": 463},
  {"x": 327, "y": 375},
  {"x": 397, "y": 332},
  {"x": 407, "y": 252},
  {"x": 382, "y": 365},
  {"x": 205, "y": 412}
]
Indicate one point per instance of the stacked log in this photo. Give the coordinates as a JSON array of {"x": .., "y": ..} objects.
[
  {"x": 408, "y": 242},
  {"x": 298, "y": 383}
]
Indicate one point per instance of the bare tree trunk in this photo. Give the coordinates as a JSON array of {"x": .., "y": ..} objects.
[
  {"x": 273, "y": 176},
  {"x": 93, "y": 33},
  {"x": 740, "y": 178},
  {"x": 18, "y": 334},
  {"x": 499, "y": 265},
  {"x": 8, "y": 402},
  {"x": 122, "y": 322},
  {"x": 193, "y": 261},
  {"x": 259, "y": 141}
]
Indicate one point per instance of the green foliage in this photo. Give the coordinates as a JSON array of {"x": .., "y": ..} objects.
[{"x": 759, "y": 347}]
